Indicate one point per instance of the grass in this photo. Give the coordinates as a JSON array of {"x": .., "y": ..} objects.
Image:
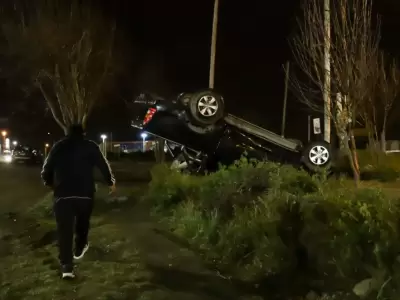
[
  {"x": 392, "y": 189},
  {"x": 112, "y": 270},
  {"x": 129, "y": 257}
]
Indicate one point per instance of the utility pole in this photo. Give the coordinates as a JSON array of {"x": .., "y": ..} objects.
[
  {"x": 287, "y": 70},
  {"x": 327, "y": 75},
  {"x": 213, "y": 45}
]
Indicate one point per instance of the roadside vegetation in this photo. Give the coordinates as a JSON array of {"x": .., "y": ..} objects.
[
  {"x": 287, "y": 233},
  {"x": 250, "y": 231}
]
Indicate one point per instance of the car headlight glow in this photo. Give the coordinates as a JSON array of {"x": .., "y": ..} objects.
[{"x": 8, "y": 158}]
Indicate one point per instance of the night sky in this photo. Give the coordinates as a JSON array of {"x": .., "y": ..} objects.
[{"x": 169, "y": 42}]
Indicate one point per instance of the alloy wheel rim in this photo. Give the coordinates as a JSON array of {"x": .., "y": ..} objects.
[
  {"x": 318, "y": 155},
  {"x": 207, "y": 106}
]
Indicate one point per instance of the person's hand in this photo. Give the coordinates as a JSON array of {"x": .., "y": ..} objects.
[{"x": 113, "y": 188}]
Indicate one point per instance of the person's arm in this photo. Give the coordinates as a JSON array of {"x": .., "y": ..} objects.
[
  {"x": 47, "y": 173},
  {"x": 102, "y": 163}
]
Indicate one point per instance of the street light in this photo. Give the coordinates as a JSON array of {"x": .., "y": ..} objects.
[
  {"x": 144, "y": 136},
  {"x": 3, "y": 143},
  {"x": 15, "y": 143},
  {"x": 46, "y": 149},
  {"x": 104, "y": 137}
]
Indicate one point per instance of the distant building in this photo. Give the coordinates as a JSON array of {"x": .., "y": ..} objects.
[{"x": 128, "y": 146}]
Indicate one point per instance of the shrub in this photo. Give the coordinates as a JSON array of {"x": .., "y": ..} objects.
[
  {"x": 351, "y": 233},
  {"x": 258, "y": 219},
  {"x": 168, "y": 188},
  {"x": 236, "y": 185}
]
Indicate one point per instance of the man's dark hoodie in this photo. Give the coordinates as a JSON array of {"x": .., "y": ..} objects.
[{"x": 69, "y": 167}]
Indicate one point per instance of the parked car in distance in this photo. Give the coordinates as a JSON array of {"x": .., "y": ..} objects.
[{"x": 25, "y": 154}]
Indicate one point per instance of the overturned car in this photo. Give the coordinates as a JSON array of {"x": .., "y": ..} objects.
[{"x": 208, "y": 136}]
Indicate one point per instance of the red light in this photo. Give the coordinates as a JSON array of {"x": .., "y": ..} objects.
[{"x": 149, "y": 115}]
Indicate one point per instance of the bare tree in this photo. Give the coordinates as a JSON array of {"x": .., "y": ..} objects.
[
  {"x": 66, "y": 50},
  {"x": 387, "y": 91},
  {"x": 379, "y": 109},
  {"x": 353, "y": 44},
  {"x": 368, "y": 111}
]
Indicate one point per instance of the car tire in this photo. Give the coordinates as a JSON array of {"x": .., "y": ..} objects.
[
  {"x": 206, "y": 108},
  {"x": 317, "y": 156}
]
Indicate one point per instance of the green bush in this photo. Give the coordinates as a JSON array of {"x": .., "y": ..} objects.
[
  {"x": 257, "y": 219},
  {"x": 351, "y": 233},
  {"x": 236, "y": 185}
]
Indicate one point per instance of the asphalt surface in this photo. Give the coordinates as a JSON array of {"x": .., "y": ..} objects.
[{"x": 20, "y": 186}]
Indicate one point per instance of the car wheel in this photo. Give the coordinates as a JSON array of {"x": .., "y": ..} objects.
[
  {"x": 206, "y": 108},
  {"x": 317, "y": 156}
]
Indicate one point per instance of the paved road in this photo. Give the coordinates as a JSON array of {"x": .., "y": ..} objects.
[{"x": 20, "y": 186}]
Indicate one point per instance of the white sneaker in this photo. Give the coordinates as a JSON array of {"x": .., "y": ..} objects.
[
  {"x": 67, "y": 272},
  {"x": 80, "y": 253}
]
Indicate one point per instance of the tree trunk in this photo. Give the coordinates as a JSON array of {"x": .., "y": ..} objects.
[
  {"x": 383, "y": 137},
  {"x": 371, "y": 131},
  {"x": 354, "y": 166},
  {"x": 353, "y": 157},
  {"x": 84, "y": 120}
]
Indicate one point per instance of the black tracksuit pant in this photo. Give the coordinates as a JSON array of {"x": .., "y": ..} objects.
[{"x": 72, "y": 216}]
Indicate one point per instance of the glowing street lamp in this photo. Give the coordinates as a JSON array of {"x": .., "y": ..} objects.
[
  {"x": 144, "y": 136},
  {"x": 15, "y": 143},
  {"x": 3, "y": 142},
  {"x": 46, "y": 149},
  {"x": 104, "y": 137}
]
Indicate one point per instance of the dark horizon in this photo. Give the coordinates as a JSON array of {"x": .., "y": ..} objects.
[{"x": 170, "y": 51}]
